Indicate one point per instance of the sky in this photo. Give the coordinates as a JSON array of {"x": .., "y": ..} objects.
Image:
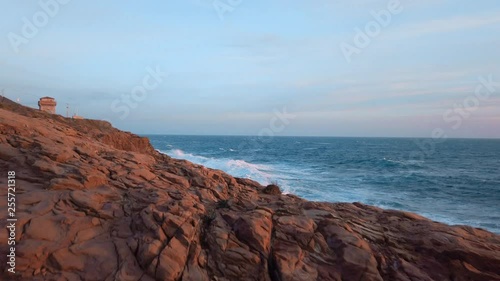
[{"x": 369, "y": 68}]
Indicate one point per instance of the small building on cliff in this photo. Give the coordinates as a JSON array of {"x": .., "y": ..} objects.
[{"x": 47, "y": 104}]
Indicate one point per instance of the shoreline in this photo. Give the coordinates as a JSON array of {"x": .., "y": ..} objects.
[{"x": 190, "y": 156}]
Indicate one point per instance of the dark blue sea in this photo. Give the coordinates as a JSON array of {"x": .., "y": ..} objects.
[{"x": 455, "y": 181}]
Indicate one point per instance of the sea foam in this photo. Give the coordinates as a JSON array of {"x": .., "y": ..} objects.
[{"x": 238, "y": 168}]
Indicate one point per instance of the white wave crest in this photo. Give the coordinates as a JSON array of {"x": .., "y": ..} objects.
[{"x": 238, "y": 168}]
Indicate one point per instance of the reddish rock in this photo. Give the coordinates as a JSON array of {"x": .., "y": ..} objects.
[{"x": 105, "y": 205}]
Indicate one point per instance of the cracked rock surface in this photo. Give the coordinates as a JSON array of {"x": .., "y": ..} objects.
[{"x": 95, "y": 203}]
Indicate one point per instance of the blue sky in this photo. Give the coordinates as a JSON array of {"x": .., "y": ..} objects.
[{"x": 228, "y": 73}]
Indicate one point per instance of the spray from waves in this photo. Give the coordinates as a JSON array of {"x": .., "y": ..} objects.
[{"x": 238, "y": 168}]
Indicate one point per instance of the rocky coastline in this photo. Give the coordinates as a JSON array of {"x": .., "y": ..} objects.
[{"x": 97, "y": 203}]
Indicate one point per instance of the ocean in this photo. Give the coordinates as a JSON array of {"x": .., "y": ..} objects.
[{"x": 455, "y": 181}]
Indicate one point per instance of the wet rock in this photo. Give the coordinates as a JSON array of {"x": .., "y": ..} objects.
[{"x": 272, "y": 189}]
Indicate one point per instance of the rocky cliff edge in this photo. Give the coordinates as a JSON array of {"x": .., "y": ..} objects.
[{"x": 96, "y": 203}]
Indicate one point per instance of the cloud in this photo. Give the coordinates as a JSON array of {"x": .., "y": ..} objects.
[{"x": 452, "y": 24}]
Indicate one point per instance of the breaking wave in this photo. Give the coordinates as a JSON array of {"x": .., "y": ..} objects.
[{"x": 238, "y": 168}]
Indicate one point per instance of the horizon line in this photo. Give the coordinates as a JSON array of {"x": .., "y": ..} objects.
[{"x": 308, "y": 136}]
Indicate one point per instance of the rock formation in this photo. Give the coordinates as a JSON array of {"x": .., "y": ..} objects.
[{"x": 96, "y": 203}]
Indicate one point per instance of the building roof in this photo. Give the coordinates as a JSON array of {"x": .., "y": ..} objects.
[{"x": 47, "y": 98}]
